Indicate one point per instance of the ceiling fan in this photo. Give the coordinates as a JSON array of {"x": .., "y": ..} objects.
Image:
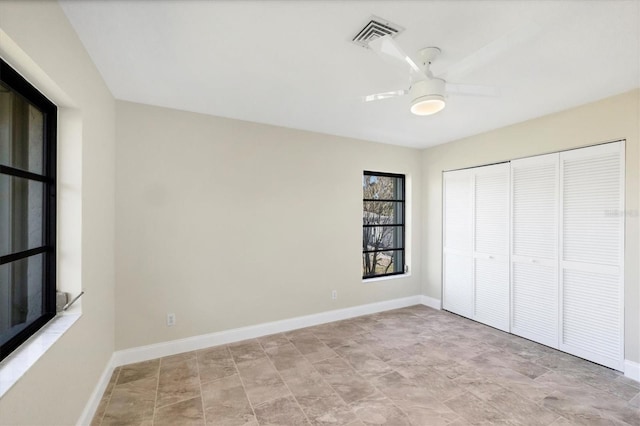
[{"x": 427, "y": 92}]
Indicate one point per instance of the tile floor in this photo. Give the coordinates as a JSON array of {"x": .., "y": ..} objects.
[{"x": 411, "y": 366}]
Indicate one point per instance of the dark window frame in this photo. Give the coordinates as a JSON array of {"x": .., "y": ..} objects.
[
  {"x": 402, "y": 224},
  {"x": 10, "y": 78}
]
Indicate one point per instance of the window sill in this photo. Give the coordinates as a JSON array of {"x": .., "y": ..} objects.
[
  {"x": 19, "y": 362},
  {"x": 389, "y": 277}
]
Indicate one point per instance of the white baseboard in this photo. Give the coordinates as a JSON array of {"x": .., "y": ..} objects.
[
  {"x": 431, "y": 302},
  {"x": 94, "y": 400},
  {"x": 632, "y": 370},
  {"x": 144, "y": 353}
]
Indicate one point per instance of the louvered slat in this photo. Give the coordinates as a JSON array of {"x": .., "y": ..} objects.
[
  {"x": 535, "y": 212},
  {"x": 535, "y": 303},
  {"x": 591, "y": 319},
  {"x": 591, "y": 193},
  {"x": 492, "y": 293},
  {"x": 492, "y": 209},
  {"x": 457, "y": 210}
]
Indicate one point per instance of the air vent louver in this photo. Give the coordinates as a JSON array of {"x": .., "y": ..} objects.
[{"x": 376, "y": 27}]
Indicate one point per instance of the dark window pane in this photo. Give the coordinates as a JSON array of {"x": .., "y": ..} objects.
[
  {"x": 382, "y": 237},
  {"x": 20, "y": 214},
  {"x": 21, "y": 132},
  {"x": 20, "y": 295},
  {"x": 381, "y": 263},
  {"x": 382, "y": 213}
]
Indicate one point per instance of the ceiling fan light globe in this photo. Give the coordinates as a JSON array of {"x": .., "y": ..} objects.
[{"x": 427, "y": 105}]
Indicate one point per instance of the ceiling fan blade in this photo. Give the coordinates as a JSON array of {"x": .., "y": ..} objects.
[
  {"x": 472, "y": 90},
  {"x": 491, "y": 51},
  {"x": 387, "y": 46},
  {"x": 384, "y": 95}
]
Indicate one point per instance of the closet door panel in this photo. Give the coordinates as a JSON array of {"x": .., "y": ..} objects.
[
  {"x": 492, "y": 293},
  {"x": 458, "y": 288},
  {"x": 491, "y": 187},
  {"x": 592, "y": 323},
  {"x": 491, "y": 245},
  {"x": 457, "y": 236},
  {"x": 534, "y": 248},
  {"x": 534, "y": 311},
  {"x": 457, "y": 205},
  {"x": 592, "y": 238}
]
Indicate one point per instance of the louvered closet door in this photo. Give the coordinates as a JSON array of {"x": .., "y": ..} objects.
[
  {"x": 457, "y": 251},
  {"x": 534, "y": 248},
  {"x": 592, "y": 244},
  {"x": 491, "y": 245}
]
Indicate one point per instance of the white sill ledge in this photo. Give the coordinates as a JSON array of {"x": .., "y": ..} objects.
[
  {"x": 13, "y": 367},
  {"x": 389, "y": 277}
]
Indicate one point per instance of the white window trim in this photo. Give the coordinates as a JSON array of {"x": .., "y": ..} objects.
[{"x": 16, "y": 365}]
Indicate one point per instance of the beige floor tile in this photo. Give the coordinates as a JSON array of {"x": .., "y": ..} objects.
[
  {"x": 397, "y": 387},
  {"x": 132, "y": 402},
  {"x": 635, "y": 402},
  {"x": 379, "y": 410},
  {"x": 520, "y": 409},
  {"x": 279, "y": 412},
  {"x": 248, "y": 350},
  {"x": 363, "y": 361},
  {"x": 261, "y": 381},
  {"x": 273, "y": 340},
  {"x": 427, "y": 412},
  {"x": 178, "y": 381},
  {"x": 286, "y": 357},
  {"x": 215, "y": 363},
  {"x": 312, "y": 348},
  {"x": 226, "y": 404},
  {"x": 307, "y": 382},
  {"x": 137, "y": 371},
  {"x": 474, "y": 410},
  {"x": 344, "y": 380},
  {"x": 326, "y": 410},
  {"x": 184, "y": 413}
]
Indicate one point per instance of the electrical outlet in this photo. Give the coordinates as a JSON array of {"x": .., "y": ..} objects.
[
  {"x": 334, "y": 294},
  {"x": 171, "y": 320}
]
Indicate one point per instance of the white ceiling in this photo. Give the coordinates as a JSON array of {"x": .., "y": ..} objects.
[{"x": 292, "y": 63}]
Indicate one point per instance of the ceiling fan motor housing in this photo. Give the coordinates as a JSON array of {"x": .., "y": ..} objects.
[{"x": 427, "y": 96}]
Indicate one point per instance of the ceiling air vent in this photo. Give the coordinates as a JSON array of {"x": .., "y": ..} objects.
[{"x": 376, "y": 27}]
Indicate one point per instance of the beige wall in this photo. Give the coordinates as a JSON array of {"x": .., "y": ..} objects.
[
  {"x": 229, "y": 223},
  {"x": 611, "y": 119},
  {"x": 36, "y": 38}
]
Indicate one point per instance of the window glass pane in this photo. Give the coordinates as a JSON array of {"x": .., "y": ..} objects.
[
  {"x": 20, "y": 214},
  {"x": 382, "y": 213},
  {"x": 381, "y": 237},
  {"x": 381, "y": 263},
  {"x": 21, "y": 132},
  {"x": 382, "y": 187},
  {"x": 20, "y": 295}
]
